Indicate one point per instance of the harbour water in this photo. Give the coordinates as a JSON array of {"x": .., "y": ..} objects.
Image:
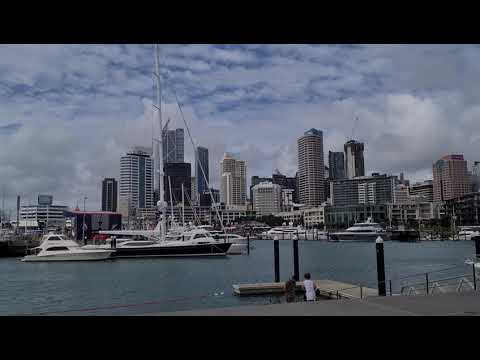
[{"x": 142, "y": 286}]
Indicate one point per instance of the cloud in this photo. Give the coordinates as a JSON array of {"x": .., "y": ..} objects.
[{"x": 68, "y": 112}]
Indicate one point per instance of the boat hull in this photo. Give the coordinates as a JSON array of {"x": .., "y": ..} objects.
[
  {"x": 81, "y": 256},
  {"x": 358, "y": 237},
  {"x": 219, "y": 249}
]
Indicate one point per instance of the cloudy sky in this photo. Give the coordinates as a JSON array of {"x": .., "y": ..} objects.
[{"x": 68, "y": 112}]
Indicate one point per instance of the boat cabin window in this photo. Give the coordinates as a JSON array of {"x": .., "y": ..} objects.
[
  {"x": 139, "y": 243},
  {"x": 55, "y": 238},
  {"x": 57, "y": 248},
  {"x": 199, "y": 236}
]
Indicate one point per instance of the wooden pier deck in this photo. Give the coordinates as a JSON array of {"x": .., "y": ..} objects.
[{"x": 327, "y": 288}]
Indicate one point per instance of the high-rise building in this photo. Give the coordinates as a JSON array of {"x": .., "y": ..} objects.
[
  {"x": 136, "y": 181},
  {"x": 177, "y": 174},
  {"x": 377, "y": 189},
  {"x": 233, "y": 175},
  {"x": 201, "y": 162},
  {"x": 311, "y": 168},
  {"x": 450, "y": 178},
  {"x": 255, "y": 180},
  {"x": 401, "y": 194},
  {"x": 476, "y": 176},
  {"x": 109, "y": 194},
  {"x": 336, "y": 165},
  {"x": 267, "y": 198},
  {"x": 354, "y": 162},
  {"x": 173, "y": 146},
  {"x": 422, "y": 190}
]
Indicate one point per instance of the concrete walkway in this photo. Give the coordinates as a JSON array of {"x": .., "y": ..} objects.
[{"x": 462, "y": 304}]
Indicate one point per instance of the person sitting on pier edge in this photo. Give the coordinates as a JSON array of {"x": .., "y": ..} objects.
[
  {"x": 310, "y": 288},
  {"x": 290, "y": 289}
]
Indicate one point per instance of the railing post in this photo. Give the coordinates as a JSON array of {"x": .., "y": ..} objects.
[
  {"x": 474, "y": 278},
  {"x": 296, "y": 271},
  {"x": 382, "y": 288},
  {"x": 276, "y": 260},
  {"x": 426, "y": 278},
  {"x": 390, "y": 282}
]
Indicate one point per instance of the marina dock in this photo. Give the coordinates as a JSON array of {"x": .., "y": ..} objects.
[{"x": 327, "y": 288}]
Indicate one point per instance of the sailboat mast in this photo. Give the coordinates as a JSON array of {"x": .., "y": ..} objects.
[
  {"x": 161, "y": 203},
  {"x": 183, "y": 207}
]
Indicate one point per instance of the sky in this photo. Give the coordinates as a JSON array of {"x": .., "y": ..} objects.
[{"x": 68, "y": 112}]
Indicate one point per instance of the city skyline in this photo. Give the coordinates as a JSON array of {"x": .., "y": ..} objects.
[{"x": 70, "y": 114}]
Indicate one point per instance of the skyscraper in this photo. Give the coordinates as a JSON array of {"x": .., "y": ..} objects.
[
  {"x": 202, "y": 159},
  {"x": 233, "y": 175},
  {"x": 109, "y": 194},
  {"x": 173, "y": 146},
  {"x": 267, "y": 198},
  {"x": 311, "y": 168},
  {"x": 450, "y": 178},
  {"x": 354, "y": 162},
  {"x": 136, "y": 181},
  {"x": 336, "y": 165},
  {"x": 177, "y": 174}
]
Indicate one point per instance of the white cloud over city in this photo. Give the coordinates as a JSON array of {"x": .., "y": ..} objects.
[{"x": 68, "y": 112}]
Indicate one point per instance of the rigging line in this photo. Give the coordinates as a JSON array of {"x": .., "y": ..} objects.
[{"x": 196, "y": 157}]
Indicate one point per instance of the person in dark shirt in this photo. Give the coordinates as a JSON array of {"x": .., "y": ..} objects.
[{"x": 290, "y": 286}]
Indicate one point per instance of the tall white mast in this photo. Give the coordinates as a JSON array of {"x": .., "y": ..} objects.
[
  {"x": 183, "y": 207},
  {"x": 161, "y": 203}
]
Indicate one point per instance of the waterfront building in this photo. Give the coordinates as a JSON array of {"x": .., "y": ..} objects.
[
  {"x": 295, "y": 216},
  {"x": 94, "y": 222},
  {"x": 311, "y": 168},
  {"x": 267, "y": 198},
  {"x": 109, "y": 194},
  {"x": 346, "y": 215},
  {"x": 201, "y": 162},
  {"x": 136, "y": 181},
  {"x": 44, "y": 213},
  {"x": 465, "y": 208},
  {"x": 375, "y": 189},
  {"x": 422, "y": 189},
  {"x": 233, "y": 175},
  {"x": 354, "y": 161},
  {"x": 173, "y": 146},
  {"x": 401, "y": 194},
  {"x": 176, "y": 174},
  {"x": 412, "y": 211},
  {"x": 450, "y": 178},
  {"x": 314, "y": 217}
]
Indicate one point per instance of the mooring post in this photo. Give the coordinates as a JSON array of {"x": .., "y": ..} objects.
[
  {"x": 248, "y": 244},
  {"x": 296, "y": 271},
  {"x": 474, "y": 277},
  {"x": 276, "y": 259},
  {"x": 390, "y": 281},
  {"x": 426, "y": 282},
  {"x": 477, "y": 246},
  {"x": 382, "y": 289}
]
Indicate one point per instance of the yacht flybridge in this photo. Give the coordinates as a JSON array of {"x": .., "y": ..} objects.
[{"x": 365, "y": 231}]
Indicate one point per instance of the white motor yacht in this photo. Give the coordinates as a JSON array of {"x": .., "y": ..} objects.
[
  {"x": 285, "y": 232},
  {"x": 366, "y": 231},
  {"x": 56, "y": 247},
  {"x": 239, "y": 243},
  {"x": 467, "y": 234}
]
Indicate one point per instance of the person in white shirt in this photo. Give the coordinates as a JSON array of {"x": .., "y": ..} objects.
[{"x": 310, "y": 288}]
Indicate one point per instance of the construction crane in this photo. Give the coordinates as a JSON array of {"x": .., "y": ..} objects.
[{"x": 353, "y": 129}]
